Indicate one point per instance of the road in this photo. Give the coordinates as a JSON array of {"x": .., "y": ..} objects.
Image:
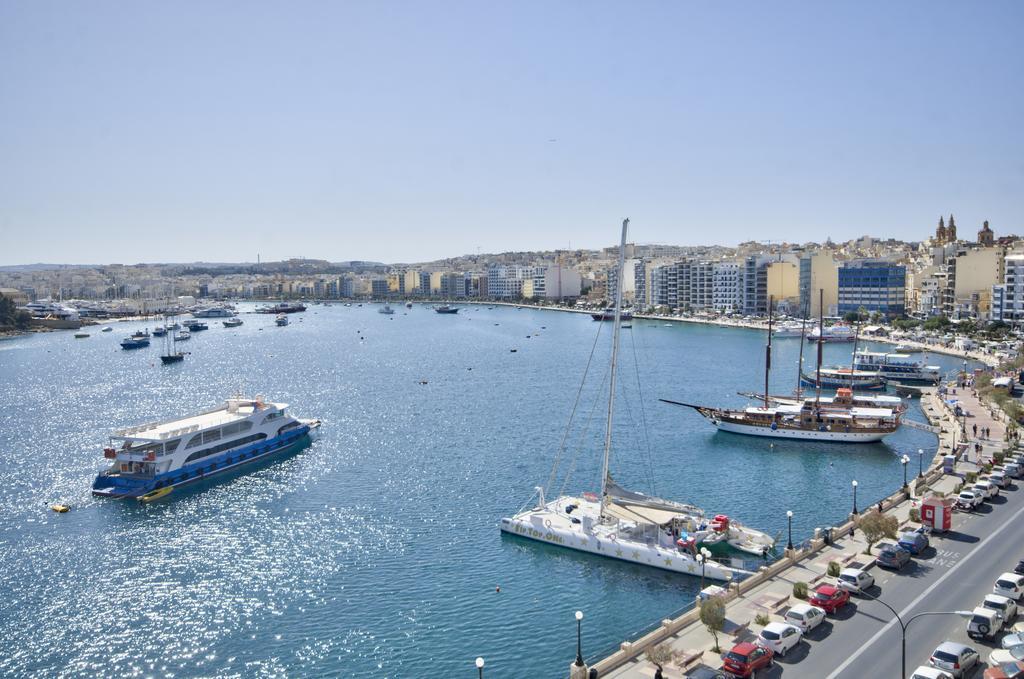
[{"x": 955, "y": 573}]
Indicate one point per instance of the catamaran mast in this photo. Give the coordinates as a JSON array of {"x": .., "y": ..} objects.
[
  {"x": 615, "y": 356},
  {"x": 768, "y": 352},
  {"x": 821, "y": 343}
]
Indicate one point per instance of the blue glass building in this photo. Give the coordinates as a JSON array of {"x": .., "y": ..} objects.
[{"x": 876, "y": 285}]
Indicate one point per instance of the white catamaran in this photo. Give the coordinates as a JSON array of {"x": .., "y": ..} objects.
[{"x": 630, "y": 526}]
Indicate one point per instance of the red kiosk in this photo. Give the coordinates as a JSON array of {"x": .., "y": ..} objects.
[{"x": 937, "y": 513}]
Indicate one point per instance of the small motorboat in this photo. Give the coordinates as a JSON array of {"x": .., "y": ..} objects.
[
  {"x": 106, "y": 328},
  {"x": 159, "y": 331},
  {"x": 233, "y": 322},
  {"x": 134, "y": 342},
  {"x": 182, "y": 336},
  {"x": 61, "y": 508},
  {"x": 81, "y": 335},
  {"x": 156, "y": 494},
  {"x": 281, "y": 320}
]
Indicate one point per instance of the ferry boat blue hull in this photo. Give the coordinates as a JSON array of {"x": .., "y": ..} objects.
[
  {"x": 116, "y": 486},
  {"x": 844, "y": 384}
]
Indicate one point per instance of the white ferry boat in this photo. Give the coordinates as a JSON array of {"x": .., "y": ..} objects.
[
  {"x": 789, "y": 330},
  {"x": 899, "y": 367},
  {"x": 832, "y": 333},
  {"x": 176, "y": 452},
  {"x": 213, "y": 312}
]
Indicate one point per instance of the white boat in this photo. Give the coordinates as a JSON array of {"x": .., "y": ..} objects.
[
  {"x": 213, "y": 312},
  {"x": 898, "y": 367},
  {"x": 832, "y": 333},
  {"x": 233, "y": 322},
  {"x": 182, "y": 336},
  {"x": 386, "y": 309},
  {"x": 106, "y": 328},
  {"x": 408, "y": 305},
  {"x": 617, "y": 524},
  {"x": 281, "y": 320},
  {"x": 907, "y": 349},
  {"x": 789, "y": 330},
  {"x": 176, "y": 452}
]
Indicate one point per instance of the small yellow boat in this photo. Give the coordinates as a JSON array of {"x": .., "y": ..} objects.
[
  {"x": 156, "y": 494},
  {"x": 61, "y": 509}
]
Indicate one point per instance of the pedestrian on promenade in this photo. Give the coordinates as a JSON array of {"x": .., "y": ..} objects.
[{"x": 975, "y": 426}]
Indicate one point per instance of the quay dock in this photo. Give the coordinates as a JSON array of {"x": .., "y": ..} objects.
[{"x": 769, "y": 592}]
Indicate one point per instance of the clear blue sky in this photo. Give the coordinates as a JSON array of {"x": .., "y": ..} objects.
[{"x": 407, "y": 131}]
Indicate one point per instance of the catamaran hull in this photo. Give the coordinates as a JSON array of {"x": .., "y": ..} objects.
[
  {"x": 633, "y": 552},
  {"x": 801, "y": 434}
]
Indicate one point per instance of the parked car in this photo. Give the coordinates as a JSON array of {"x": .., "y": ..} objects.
[
  {"x": 987, "y": 489},
  {"x": 1012, "y": 639},
  {"x": 805, "y": 616},
  {"x": 915, "y": 541},
  {"x": 829, "y": 598},
  {"x": 985, "y": 623},
  {"x": 1013, "y": 470},
  {"x": 1009, "y": 585},
  {"x": 1019, "y": 568},
  {"x": 955, "y": 658},
  {"x": 893, "y": 557},
  {"x": 969, "y": 499},
  {"x": 924, "y": 672},
  {"x": 855, "y": 580},
  {"x": 746, "y": 658},
  {"x": 779, "y": 637},
  {"x": 1004, "y": 655},
  {"x": 1010, "y": 670},
  {"x": 1005, "y": 605},
  {"x": 999, "y": 478}
]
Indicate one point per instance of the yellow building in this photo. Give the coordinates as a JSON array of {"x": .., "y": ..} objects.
[
  {"x": 819, "y": 271},
  {"x": 783, "y": 281}
]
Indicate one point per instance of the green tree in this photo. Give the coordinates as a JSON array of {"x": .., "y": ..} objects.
[
  {"x": 660, "y": 655},
  {"x": 876, "y": 526},
  {"x": 712, "y": 616},
  {"x": 851, "y": 317}
]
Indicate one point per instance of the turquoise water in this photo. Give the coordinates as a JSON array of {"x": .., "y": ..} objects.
[{"x": 375, "y": 552}]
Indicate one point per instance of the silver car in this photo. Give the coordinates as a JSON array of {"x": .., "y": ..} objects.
[{"x": 955, "y": 658}]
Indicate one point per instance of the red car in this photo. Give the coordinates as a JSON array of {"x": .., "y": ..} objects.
[
  {"x": 829, "y": 597},
  {"x": 746, "y": 658}
]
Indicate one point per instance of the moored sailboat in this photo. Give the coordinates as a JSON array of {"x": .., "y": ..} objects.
[{"x": 622, "y": 524}]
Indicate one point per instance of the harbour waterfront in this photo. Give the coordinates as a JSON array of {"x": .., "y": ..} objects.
[{"x": 375, "y": 552}]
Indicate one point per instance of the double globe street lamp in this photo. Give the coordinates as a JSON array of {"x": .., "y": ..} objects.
[{"x": 702, "y": 558}]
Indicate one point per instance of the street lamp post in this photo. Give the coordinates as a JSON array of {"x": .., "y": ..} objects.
[
  {"x": 905, "y": 625},
  {"x": 854, "y": 484},
  {"x": 579, "y": 640},
  {"x": 789, "y": 517},
  {"x": 920, "y": 462},
  {"x": 904, "y": 460},
  {"x": 702, "y": 559},
  {"x": 480, "y": 667}
]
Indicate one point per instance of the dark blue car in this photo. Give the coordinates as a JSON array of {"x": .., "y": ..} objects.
[{"x": 914, "y": 542}]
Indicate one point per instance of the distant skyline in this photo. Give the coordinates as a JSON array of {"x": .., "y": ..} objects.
[{"x": 408, "y": 132}]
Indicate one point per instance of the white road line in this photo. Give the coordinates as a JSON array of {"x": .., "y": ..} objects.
[{"x": 977, "y": 549}]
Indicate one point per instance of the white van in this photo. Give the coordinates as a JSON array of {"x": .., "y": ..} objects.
[{"x": 1009, "y": 585}]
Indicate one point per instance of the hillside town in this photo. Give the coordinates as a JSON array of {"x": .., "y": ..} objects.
[{"x": 976, "y": 278}]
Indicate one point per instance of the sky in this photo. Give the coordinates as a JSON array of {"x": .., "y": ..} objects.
[{"x": 411, "y": 131}]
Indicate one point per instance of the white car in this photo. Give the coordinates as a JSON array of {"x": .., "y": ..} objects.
[
  {"x": 1001, "y": 655},
  {"x": 1014, "y": 638},
  {"x": 955, "y": 658},
  {"x": 924, "y": 672},
  {"x": 1005, "y": 605},
  {"x": 855, "y": 581},
  {"x": 999, "y": 478},
  {"x": 805, "y": 616},
  {"x": 986, "y": 488},
  {"x": 969, "y": 499},
  {"x": 779, "y": 637},
  {"x": 1009, "y": 585}
]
